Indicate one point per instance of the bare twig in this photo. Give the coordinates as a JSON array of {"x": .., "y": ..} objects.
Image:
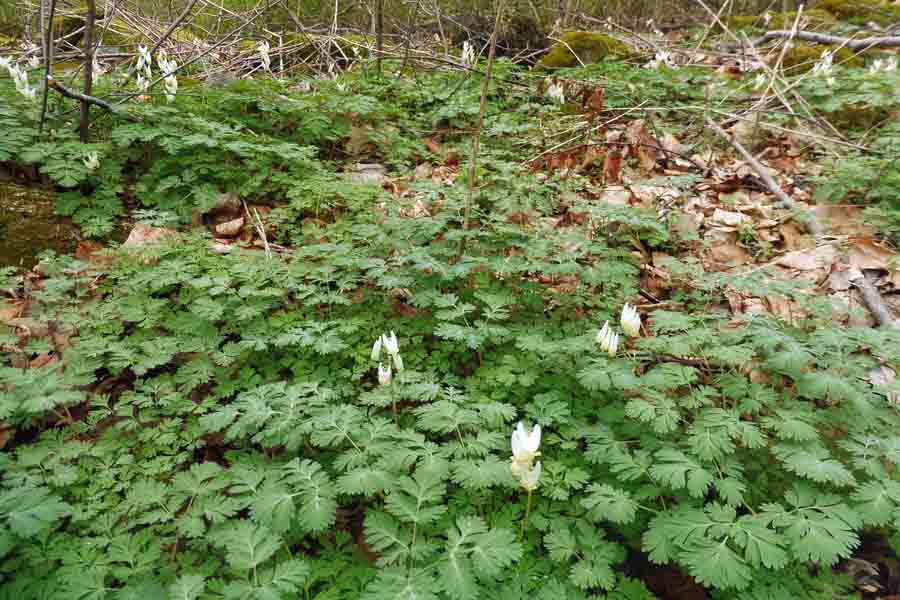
[
  {"x": 476, "y": 142},
  {"x": 48, "y": 62},
  {"x": 874, "y": 302},
  {"x": 175, "y": 25},
  {"x": 85, "y": 123},
  {"x": 823, "y": 38},
  {"x": 786, "y": 201},
  {"x": 379, "y": 32}
]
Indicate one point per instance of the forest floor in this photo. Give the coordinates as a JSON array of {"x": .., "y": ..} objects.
[{"x": 198, "y": 412}]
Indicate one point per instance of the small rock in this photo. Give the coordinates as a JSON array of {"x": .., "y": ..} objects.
[
  {"x": 230, "y": 228},
  {"x": 227, "y": 206},
  {"x": 728, "y": 218},
  {"x": 368, "y": 173},
  {"x": 142, "y": 236}
]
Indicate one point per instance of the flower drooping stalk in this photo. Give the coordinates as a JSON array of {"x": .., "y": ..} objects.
[
  {"x": 608, "y": 339},
  {"x": 630, "y": 321},
  {"x": 524, "y": 450},
  {"x": 263, "y": 48},
  {"x": 556, "y": 94}
]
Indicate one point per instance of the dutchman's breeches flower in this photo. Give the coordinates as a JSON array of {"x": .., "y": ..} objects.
[
  {"x": 630, "y": 321},
  {"x": 524, "y": 449},
  {"x": 608, "y": 339}
]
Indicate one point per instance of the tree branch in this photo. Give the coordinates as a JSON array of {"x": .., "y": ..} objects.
[
  {"x": 48, "y": 61},
  {"x": 823, "y": 38},
  {"x": 69, "y": 93},
  {"x": 786, "y": 201}
]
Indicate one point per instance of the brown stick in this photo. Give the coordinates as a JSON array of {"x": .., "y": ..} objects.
[
  {"x": 874, "y": 302},
  {"x": 476, "y": 143},
  {"x": 48, "y": 61},
  {"x": 824, "y": 38},
  {"x": 88, "y": 69},
  {"x": 379, "y": 32},
  {"x": 786, "y": 201}
]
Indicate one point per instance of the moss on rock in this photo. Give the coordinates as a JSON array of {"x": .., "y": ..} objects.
[
  {"x": 860, "y": 12},
  {"x": 802, "y": 57},
  {"x": 816, "y": 19},
  {"x": 577, "y": 47}
]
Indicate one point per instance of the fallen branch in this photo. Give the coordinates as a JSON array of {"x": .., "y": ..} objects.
[
  {"x": 874, "y": 302},
  {"x": 784, "y": 200},
  {"x": 69, "y": 93},
  {"x": 824, "y": 38}
]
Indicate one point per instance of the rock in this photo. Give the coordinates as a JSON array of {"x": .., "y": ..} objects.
[
  {"x": 228, "y": 206},
  {"x": 230, "y": 228},
  {"x": 142, "y": 236},
  {"x": 368, "y": 173}
]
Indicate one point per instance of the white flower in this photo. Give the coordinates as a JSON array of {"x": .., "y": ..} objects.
[
  {"x": 468, "y": 54},
  {"x": 5, "y": 62},
  {"x": 97, "y": 68},
  {"x": 171, "y": 84},
  {"x": 555, "y": 93},
  {"x": 20, "y": 78},
  {"x": 608, "y": 339},
  {"x": 390, "y": 343},
  {"x": 662, "y": 58},
  {"x": 34, "y": 62},
  {"x": 830, "y": 81},
  {"x": 824, "y": 66},
  {"x": 529, "y": 479},
  {"x": 144, "y": 57},
  {"x": 767, "y": 18},
  {"x": 91, "y": 161},
  {"x": 524, "y": 448},
  {"x": 630, "y": 321},
  {"x": 391, "y": 346},
  {"x": 384, "y": 374},
  {"x": 263, "y": 48},
  {"x": 885, "y": 65},
  {"x": 142, "y": 84}
]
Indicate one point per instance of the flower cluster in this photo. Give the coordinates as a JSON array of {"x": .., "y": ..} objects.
[
  {"x": 880, "y": 65},
  {"x": 662, "y": 59},
  {"x": 263, "y": 48},
  {"x": 168, "y": 67},
  {"x": 144, "y": 69},
  {"x": 555, "y": 93},
  {"x": 825, "y": 67},
  {"x": 19, "y": 77},
  {"x": 392, "y": 347},
  {"x": 524, "y": 450},
  {"x": 91, "y": 161},
  {"x": 468, "y": 54},
  {"x": 631, "y": 325}
]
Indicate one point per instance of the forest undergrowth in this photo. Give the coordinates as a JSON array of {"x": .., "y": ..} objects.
[{"x": 301, "y": 376}]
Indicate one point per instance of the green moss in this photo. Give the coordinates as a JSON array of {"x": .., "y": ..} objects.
[
  {"x": 782, "y": 20},
  {"x": 858, "y": 117},
  {"x": 861, "y": 12},
  {"x": 588, "y": 48},
  {"x": 802, "y": 57}
]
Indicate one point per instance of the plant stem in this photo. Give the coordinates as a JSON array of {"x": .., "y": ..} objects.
[
  {"x": 527, "y": 512},
  {"x": 476, "y": 142}
]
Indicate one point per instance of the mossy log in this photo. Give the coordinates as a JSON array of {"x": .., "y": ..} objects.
[{"x": 583, "y": 47}]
